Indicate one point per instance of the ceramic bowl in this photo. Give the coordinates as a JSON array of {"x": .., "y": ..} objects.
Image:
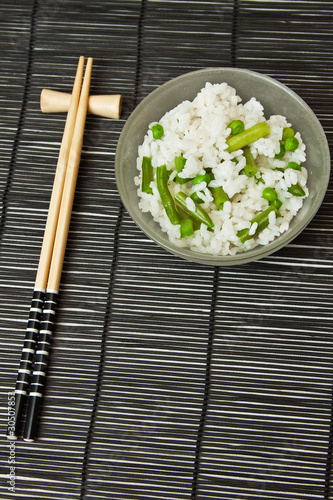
[{"x": 276, "y": 99}]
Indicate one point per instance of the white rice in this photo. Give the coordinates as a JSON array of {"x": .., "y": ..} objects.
[{"x": 198, "y": 130}]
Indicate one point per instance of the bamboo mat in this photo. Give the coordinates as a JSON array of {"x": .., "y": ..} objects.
[{"x": 168, "y": 380}]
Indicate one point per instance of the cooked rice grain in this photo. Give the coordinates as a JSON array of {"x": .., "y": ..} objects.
[{"x": 198, "y": 130}]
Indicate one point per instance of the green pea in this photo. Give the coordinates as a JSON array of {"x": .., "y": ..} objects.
[
  {"x": 269, "y": 194},
  {"x": 236, "y": 126},
  {"x": 157, "y": 130},
  {"x": 287, "y": 132},
  {"x": 201, "y": 178},
  {"x": 280, "y": 154},
  {"x": 294, "y": 166},
  {"x": 291, "y": 144},
  {"x": 276, "y": 203}
]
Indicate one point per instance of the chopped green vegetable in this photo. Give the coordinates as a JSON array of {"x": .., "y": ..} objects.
[
  {"x": 276, "y": 203},
  {"x": 180, "y": 163},
  {"x": 248, "y": 136},
  {"x": 199, "y": 213},
  {"x": 287, "y": 132},
  {"x": 183, "y": 180},
  {"x": 291, "y": 144},
  {"x": 195, "y": 197},
  {"x": 157, "y": 130},
  {"x": 294, "y": 166},
  {"x": 197, "y": 180},
  {"x": 281, "y": 153},
  {"x": 201, "y": 178},
  {"x": 236, "y": 126},
  {"x": 250, "y": 168},
  {"x": 184, "y": 215},
  {"x": 218, "y": 193},
  {"x": 186, "y": 227},
  {"x": 147, "y": 175},
  {"x": 166, "y": 197},
  {"x": 296, "y": 190},
  {"x": 269, "y": 194},
  {"x": 262, "y": 220},
  {"x": 220, "y": 196}
]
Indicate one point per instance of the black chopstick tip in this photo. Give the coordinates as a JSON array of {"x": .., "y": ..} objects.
[{"x": 31, "y": 424}]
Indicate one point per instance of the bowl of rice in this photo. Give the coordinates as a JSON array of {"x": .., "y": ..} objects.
[{"x": 222, "y": 166}]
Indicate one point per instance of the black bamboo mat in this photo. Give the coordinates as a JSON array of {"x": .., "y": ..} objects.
[{"x": 168, "y": 380}]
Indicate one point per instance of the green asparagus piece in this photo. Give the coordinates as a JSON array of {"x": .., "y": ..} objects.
[
  {"x": 184, "y": 215},
  {"x": 199, "y": 213},
  {"x": 248, "y": 136},
  {"x": 183, "y": 180},
  {"x": 219, "y": 195},
  {"x": 262, "y": 220},
  {"x": 186, "y": 227},
  {"x": 166, "y": 197},
  {"x": 195, "y": 197},
  {"x": 147, "y": 175},
  {"x": 250, "y": 168}
]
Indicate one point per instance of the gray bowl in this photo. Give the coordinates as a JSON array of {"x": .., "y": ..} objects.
[{"x": 276, "y": 99}]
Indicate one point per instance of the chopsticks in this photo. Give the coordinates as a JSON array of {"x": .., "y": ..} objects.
[{"x": 36, "y": 346}]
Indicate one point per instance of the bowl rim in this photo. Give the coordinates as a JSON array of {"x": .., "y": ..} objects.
[{"x": 257, "y": 252}]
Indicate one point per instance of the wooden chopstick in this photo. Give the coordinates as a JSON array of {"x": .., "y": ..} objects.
[
  {"x": 51, "y": 259},
  {"x": 24, "y": 372},
  {"x": 52, "y": 219},
  {"x": 51, "y": 295}
]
